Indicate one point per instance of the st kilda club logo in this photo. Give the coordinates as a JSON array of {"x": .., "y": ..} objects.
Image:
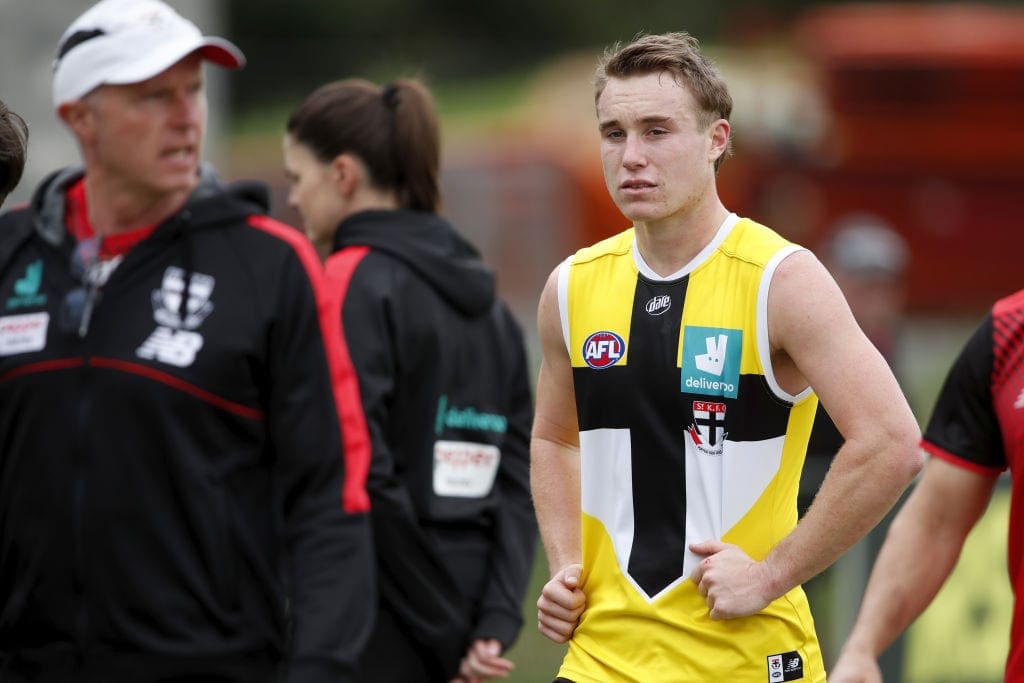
[{"x": 603, "y": 349}]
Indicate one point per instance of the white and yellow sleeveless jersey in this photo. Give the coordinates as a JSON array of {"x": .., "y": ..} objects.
[{"x": 685, "y": 436}]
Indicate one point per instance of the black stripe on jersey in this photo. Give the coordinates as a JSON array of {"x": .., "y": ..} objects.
[
  {"x": 645, "y": 397},
  {"x": 759, "y": 416}
]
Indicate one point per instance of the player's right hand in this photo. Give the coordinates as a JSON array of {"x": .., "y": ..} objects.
[{"x": 560, "y": 604}]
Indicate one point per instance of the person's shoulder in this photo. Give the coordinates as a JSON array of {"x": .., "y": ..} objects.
[
  {"x": 369, "y": 275},
  {"x": 616, "y": 245},
  {"x": 214, "y": 204},
  {"x": 371, "y": 262},
  {"x": 243, "y": 207},
  {"x": 15, "y": 223},
  {"x": 754, "y": 241},
  {"x": 47, "y": 197},
  {"x": 233, "y": 218},
  {"x": 1011, "y": 304},
  {"x": 280, "y": 243},
  {"x": 760, "y": 230},
  {"x": 11, "y": 215},
  {"x": 278, "y": 231}
]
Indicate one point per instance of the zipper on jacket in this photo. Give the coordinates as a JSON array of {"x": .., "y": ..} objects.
[
  {"x": 80, "y": 462},
  {"x": 81, "y": 457}
]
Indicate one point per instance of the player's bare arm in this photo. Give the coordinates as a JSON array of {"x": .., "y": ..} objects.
[
  {"x": 919, "y": 553},
  {"x": 555, "y": 473},
  {"x": 816, "y": 341}
]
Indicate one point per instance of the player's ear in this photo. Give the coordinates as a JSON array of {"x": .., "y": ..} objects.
[
  {"x": 79, "y": 117},
  {"x": 718, "y": 133}
]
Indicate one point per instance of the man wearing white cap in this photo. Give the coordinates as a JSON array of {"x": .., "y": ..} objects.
[{"x": 182, "y": 449}]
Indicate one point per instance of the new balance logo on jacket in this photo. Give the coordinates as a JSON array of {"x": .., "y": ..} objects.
[{"x": 173, "y": 341}]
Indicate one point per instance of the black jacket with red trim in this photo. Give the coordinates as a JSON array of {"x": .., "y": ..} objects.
[
  {"x": 443, "y": 374},
  {"x": 176, "y": 493}
]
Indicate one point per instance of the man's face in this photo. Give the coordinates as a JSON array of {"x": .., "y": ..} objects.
[
  {"x": 146, "y": 138},
  {"x": 658, "y": 162}
]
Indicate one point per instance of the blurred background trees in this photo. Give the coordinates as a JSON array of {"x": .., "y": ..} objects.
[{"x": 452, "y": 39}]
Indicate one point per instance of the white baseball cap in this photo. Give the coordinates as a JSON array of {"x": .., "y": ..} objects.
[{"x": 128, "y": 41}]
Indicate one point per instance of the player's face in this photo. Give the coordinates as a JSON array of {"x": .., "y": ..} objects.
[
  {"x": 658, "y": 161},
  {"x": 146, "y": 138},
  {"x": 313, "y": 192}
]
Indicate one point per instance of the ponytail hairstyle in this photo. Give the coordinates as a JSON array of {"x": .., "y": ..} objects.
[
  {"x": 13, "y": 149},
  {"x": 392, "y": 129}
]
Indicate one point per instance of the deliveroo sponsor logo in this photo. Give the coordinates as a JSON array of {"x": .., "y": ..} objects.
[
  {"x": 26, "y": 288},
  {"x": 467, "y": 418},
  {"x": 711, "y": 361}
]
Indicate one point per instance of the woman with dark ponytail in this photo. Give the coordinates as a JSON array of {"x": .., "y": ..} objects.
[{"x": 444, "y": 380}]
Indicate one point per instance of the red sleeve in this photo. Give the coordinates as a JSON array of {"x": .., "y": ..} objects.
[{"x": 354, "y": 433}]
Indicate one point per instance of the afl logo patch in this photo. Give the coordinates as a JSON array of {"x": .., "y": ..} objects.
[
  {"x": 659, "y": 304},
  {"x": 603, "y": 349}
]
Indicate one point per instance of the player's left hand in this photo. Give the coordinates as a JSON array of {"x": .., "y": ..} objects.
[{"x": 732, "y": 583}]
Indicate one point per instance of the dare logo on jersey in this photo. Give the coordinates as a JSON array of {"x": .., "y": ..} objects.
[{"x": 603, "y": 349}]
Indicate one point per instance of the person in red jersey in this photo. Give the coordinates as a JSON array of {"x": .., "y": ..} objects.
[
  {"x": 976, "y": 432},
  {"x": 181, "y": 483}
]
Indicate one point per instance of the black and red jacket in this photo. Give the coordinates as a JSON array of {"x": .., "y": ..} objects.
[
  {"x": 176, "y": 492},
  {"x": 443, "y": 373}
]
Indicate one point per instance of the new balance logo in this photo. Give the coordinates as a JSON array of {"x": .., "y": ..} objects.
[
  {"x": 174, "y": 341},
  {"x": 1019, "y": 403},
  {"x": 786, "y": 666},
  {"x": 174, "y": 347}
]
